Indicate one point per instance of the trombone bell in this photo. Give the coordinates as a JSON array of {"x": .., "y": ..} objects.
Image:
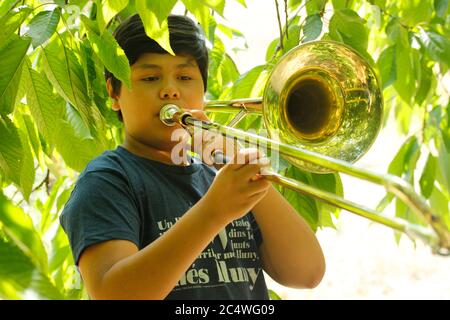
[
  {"x": 313, "y": 111},
  {"x": 324, "y": 97}
]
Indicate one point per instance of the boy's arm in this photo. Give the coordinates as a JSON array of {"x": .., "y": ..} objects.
[
  {"x": 290, "y": 252},
  {"x": 115, "y": 269}
]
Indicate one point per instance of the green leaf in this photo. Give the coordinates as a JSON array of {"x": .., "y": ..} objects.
[
  {"x": 45, "y": 107},
  {"x": 315, "y": 6},
  {"x": 441, "y": 8},
  {"x": 438, "y": 47},
  {"x": 251, "y": 122},
  {"x": 11, "y": 22},
  {"x": 406, "y": 158},
  {"x": 388, "y": 66},
  {"x": 427, "y": 179},
  {"x": 272, "y": 49},
  {"x": 11, "y": 151},
  {"x": 46, "y": 148},
  {"x": 109, "y": 51},
  {"x": 405, "y": 68},
  {"x": 63, "y": 198},
  {"x": 379, "y": 3},
  {"x": 67, "y": 77},
  {"x": 61, "y": 250},
  {"x": 402, "y": 211},
  {"x": 397, "y": 34},
  {"x": 43, "y": 25},
  {"x": 87, "y": 61},
  {"x": 387, "y": 199},
  {"x": 18, "y": 227},
  {"x": 443, "y": 159},
  {"x": 273, "y": 295},
  {"x": 313, "y": 27},
  {"x": 230, "y": 32},
  {"x": 76, "y": 151},
  {"x": 222, "y": 69},
  {"x": 305, "y": 205},
  {"x": 94, "y": 72},
  {"x": 79, "y": 127},
  {"x": 402, "y": 114},
  {"x": 425, "y": 82},
  {"x": 21, "y": 273},
  {"x": 226, "y": 30},
  {"x": 440, "y": 205},
  {"x": 6, "y": 6},
  {"x": 216, "y": 5},
  {"x": 32, "y": 134},
  {"x": 340, "y": 4},
  {"x": 201, "y": 12},
  {"x": 348, "y": 27},
  {"x": 47, "y": 216},
  {"x": 154, "y": 17},
  {"x": 330, "y": 182},
  {"x": 161, "y": 9},
  {"x": 34, "y": 137},
  {"x": 107, "y": 9},
  {"x": 27, "y": 174},
  {"x": 294, "y": 4},
  {"x": 8, "y": 291},
  {"x": 242, "y": 2},
  {"x": 245, "y": 84},
  {"x": 413, "y": 12},
  {"x": 293, "y": 39},
  {"x": 12, "y": 55}
]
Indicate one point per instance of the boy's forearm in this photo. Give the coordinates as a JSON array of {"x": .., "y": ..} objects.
[
  {"x": 154, "y": 271},
  {"x": 289, "y": 243}
]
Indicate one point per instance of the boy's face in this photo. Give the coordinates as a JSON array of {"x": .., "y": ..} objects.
[{"x": 156, "y": 80}]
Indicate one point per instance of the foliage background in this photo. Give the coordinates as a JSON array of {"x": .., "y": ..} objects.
[{"x": 55, "y": 114}]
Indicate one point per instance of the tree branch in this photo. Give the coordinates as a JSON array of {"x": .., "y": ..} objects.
[
  {"x": 45, "y": 180},
  {"x": 286, "y": 19},
  {"x": 279, "y": 25}
]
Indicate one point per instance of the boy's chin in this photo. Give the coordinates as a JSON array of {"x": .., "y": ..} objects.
[{"x": 168, "y": 144}]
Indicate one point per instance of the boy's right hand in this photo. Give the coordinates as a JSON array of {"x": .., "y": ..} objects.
[{"x": 238, "y": 186}]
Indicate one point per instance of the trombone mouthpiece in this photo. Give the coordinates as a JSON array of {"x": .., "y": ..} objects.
[{"x": 167, "y": 113}]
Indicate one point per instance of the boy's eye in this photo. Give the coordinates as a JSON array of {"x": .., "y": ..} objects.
[
  {"x": 151, "y": 78},
  {"x": 184, "y": 78}
]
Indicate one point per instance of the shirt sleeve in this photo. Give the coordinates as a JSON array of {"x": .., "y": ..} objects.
[{"x": 101, "y": 207}]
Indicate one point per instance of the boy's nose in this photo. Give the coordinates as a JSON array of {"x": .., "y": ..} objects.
[{"x": 169, "y": 93}]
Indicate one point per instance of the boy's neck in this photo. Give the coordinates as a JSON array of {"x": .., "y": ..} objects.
[{"x": 150, "y": 152}]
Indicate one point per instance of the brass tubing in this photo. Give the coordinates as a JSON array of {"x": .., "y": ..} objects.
[
  {"x": 426, "y": 235},
  {"x": 438, "y": 238},
  {"x": 251, "y": 105}
]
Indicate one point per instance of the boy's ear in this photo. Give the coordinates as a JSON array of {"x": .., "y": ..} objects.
[{"x": 115, "y": 105}]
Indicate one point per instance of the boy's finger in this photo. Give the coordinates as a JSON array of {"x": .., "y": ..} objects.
[
  {"x": 250, "y": 171},
  {"x": 199, "y": 114},
  {"x": 242, "y": 158}
]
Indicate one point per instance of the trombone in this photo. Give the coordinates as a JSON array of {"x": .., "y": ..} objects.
[{"x": 323, "y": 101}]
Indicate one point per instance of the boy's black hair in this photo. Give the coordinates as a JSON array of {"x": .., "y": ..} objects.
[{"x": 186, "y": 37}]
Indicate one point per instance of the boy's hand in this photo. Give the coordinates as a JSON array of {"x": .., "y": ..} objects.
[
  {"x": 205, "y": 142},
  {"x": 238, "y": 186}
]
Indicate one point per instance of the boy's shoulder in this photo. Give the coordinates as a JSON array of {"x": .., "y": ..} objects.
[
  {"x": 108, "y": 161},
  {"x": 121, "y": 162}
]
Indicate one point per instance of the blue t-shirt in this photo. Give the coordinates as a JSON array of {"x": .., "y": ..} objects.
[{"x": 123, "y": 196}]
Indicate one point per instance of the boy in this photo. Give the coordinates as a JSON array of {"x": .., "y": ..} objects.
[{"x": 141, "y": 227}]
